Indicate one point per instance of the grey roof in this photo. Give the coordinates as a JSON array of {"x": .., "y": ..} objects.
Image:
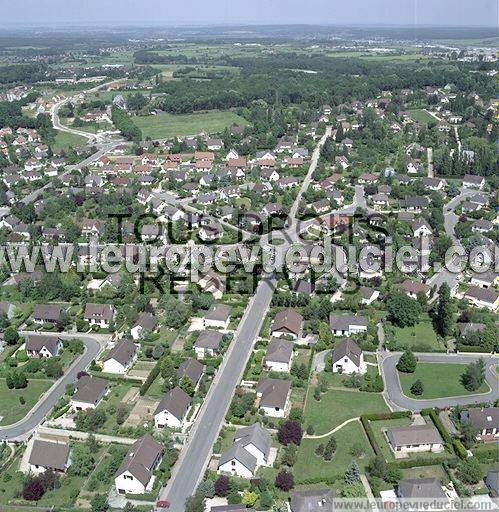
[
  {"x": 343, "y": 322},
  {"x": 482, "y": 418},
  {"x": 141, "y": 458},
  {"x": 191, "y": 368},
  {"x": 492, "y": 481},
  {"x": 218, "y": 312},
  {"x": 231, "y": 508},
  {"x": 123, "y": 352},
  {"x": 49, "y": 455},
  {"x": 366, "y": 292},
  {"x": 287, "y": 320},
  {"x": 483, "y": 294},
  {"x": 176, "y": 402},
  {"x": 469, "y": 327},
  {"x": 279, "y": 351},
  {"x": 256, "y": 435},
  {"x": 415, "y": 434},
  {"x": 147, "y": 321},
  {"x": 274, "y": 392},
  {"x": 421, "y": 488},
  {"x": 50, "y": 312},
  {"x": 208, "y": 339},
  {"x": 90, "y": 389},
  {"x": 36, "y": 342},
  {"x": 347, "y": 348},
  {"x": 236, "y": 451},
  {"x": 98, "y": 312},
  {"x": 313, "y": 500}
]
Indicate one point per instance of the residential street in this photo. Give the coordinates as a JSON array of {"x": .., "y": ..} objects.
[
  {"x": 21, "y": 429},
  {"x": 393, "y": 391}
]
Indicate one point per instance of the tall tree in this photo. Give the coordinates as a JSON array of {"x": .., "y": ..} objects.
[{"x": 443, "y": 320}]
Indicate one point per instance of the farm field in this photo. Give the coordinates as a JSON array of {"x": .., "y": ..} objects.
[
  {"x": 448, "y": 382},
  {"x": 169, "y": 125}
]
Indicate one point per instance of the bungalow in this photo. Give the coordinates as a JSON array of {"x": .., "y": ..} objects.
[
  {"x": 483, "y": 297},
  {"x": 279, "y": 355},
  {"x": 172, "y": 410},
  {"x": 312, "y": 500},
  {"x": 273, "y": 396},
  {"x": 484, "y": 420},
  {"x": 88, "y": 392},
  {"x": 423, "y": 489},
  {"x": 47, "y": 313},
  {"x": 99, "y": 314},
  {"x": 207, "y": 343},
  {"x": 256, "y": 442},
  {"x": 192, "y": 369},
  {"x": 49, "y": 456},
  {"x": 136, "y": 473},
  {"x": 43, "y": 345},
  {"x": 121, "y": 357},
  {"x": 471, "y": 181},
  {"x": 348, "y": 357},
  {"x": 217, "y": 317},
  {"x": 347, "y": 325},
  {"x": 413, "y": 288},
  {"x": 415, "y": 204},
  {"x": 287, "y": 323},
  {"x": 415, "y": 438},
  {"x": 145, "y": 324}
]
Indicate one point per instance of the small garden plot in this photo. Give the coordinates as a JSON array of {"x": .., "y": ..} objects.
[{"x": 439, "y": 380}]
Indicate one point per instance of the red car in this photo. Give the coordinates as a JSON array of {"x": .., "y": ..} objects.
[{"x": 161, "y": 505}]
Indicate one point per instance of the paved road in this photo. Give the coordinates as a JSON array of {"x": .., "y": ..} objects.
[
  {"x": 431, "y": 173},
  {"x": 193, "y": 460},
  {"x": 393, "y": 391},
  {"x": 22, "y": 429}
]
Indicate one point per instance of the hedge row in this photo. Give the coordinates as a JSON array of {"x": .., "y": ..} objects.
[
  {"x": 461, "y": 347},
  {"x": 150, "y": 378},
  {"x": 367, "y": 418},
  {"x": 440, "y": 427},
  {"x": 460, "y": 450},
  {"x": 425, "y": 461},
  {"x": 319, "y": 480},
  {"x": 115, "y": 378},
  {"x": 370, "y": 435}
]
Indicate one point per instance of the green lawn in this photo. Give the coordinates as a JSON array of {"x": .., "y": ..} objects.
[
  {"x": 420, "y": 338},
  {"x": 309, "y": 465},
  {"x": 427, "y": 472},
  {"x": 168, "y": 125},
  {"x": 337, "y": 406},
  {"x": 64, "y": 141},
  {"x": 110, "y": 403},
  {"x": 11, "y": 409},
  {"x": 439, "y": 380},
  {"x": 422, "y": 116}
]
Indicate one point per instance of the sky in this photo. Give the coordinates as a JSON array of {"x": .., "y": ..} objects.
[{"x": 239, "y": 12}]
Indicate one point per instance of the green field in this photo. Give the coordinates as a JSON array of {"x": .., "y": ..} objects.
[
  {"x": 11, "y": 409},
  {"x": 337, "y": 406},
  {"x": 64, "y": 141},
  {"x": 421, "y": 116},
  {"x": 309, "y": 465},
  {"x": 439, "y": 380},
  {"x": 420, "y": 338},
  {"x": 169, "y": 125}
]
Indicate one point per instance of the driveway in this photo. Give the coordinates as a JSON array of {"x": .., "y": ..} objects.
[
  {"x": 23, "y": 428},
  {"x": 397, "y": 399}
]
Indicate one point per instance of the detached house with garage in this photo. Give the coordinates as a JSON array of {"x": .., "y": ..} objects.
[
  {"x": 120, "y": 358},
  {"x": 172, "y": 410},
  {"x": 415, "y": 438},
  {"x": 208, "y": 343},
  {"x": 136, "y": 473},
  {"x": 43, "y": 345},
  {"x": 273, "y": 396},
  {"x": 89, "y": 391},
  {"x": 287, "y": 323},
  {"x": 347, "y": 325},
  {"x": 99, "y": 314},
  {"x": 279, "y": 355},
  {"x": 249, "y": 451},
  {"x": 217, "y": 317},
  {"x": 483, "y": 297},
  {"x": 49, "y": 456},
  {"x": 145, "y": 324},
  {"x": 348, "y": 357}
]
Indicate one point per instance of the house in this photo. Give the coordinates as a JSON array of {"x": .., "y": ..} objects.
[
  {"x": 484, "y": 420},
  {"x": 413, "y": 288},
  {"x": 250, "y": 450},
  {"x": 99, "y": 314},
  {"x": 47, "y": 313},
  {"x": 347, "y": 325},
  {"x": 136, "y": 473},
  {"x": 484, "y": 279},
  {"x": 313, "y": 500},
  {"x": 415, "y": 438},
  {"x": 492, "y": 483},
  {"x": 287, "y": 323},
  {"x": 421, "y": 228},
  {"x": 483, "y": 297},
  {"x": 49, "y": 456},
  {"x": 207, "y": 343},
  {"x": 7, "y": 308},
  {"x": 368, "y": 295},
  {"x": 482, "y": 226},
  {"x": 435, "y": 184},
  {"x": 92, "y": 227},
  {"x": 120, "y": 358},
  {"x": 279, "y": 355},
  {"x": 331, "y": 224},
  {"x": 43, "y": 345},
  {"x": 471, "y": 181},
  {"x": 172, "y": 410},
  {"x": 217, "y": 317},
  {"x": 192, "y": 369},
  {"x": 415, "y": 203},
  {"x": 466, "y": 328},
  {"x": 145, "y": 324},
  {"x": 273, "y": 396},
  {"x": 423, "y": 489},
  {"x": 88, "y": 392},
  {"x": 348, "y": 357}
]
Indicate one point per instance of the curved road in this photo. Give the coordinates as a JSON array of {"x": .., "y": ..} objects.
[
  {"x": 396, "y": 398},
  {"x": 21, "y": 430}
]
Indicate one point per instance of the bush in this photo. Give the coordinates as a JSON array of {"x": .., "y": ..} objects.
[
  {"x": 22, "y": 356},
  {"x": 290, "y": 432},
  {"x": 284, "y": 481},
  {"x": 407, "y": 362}
]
